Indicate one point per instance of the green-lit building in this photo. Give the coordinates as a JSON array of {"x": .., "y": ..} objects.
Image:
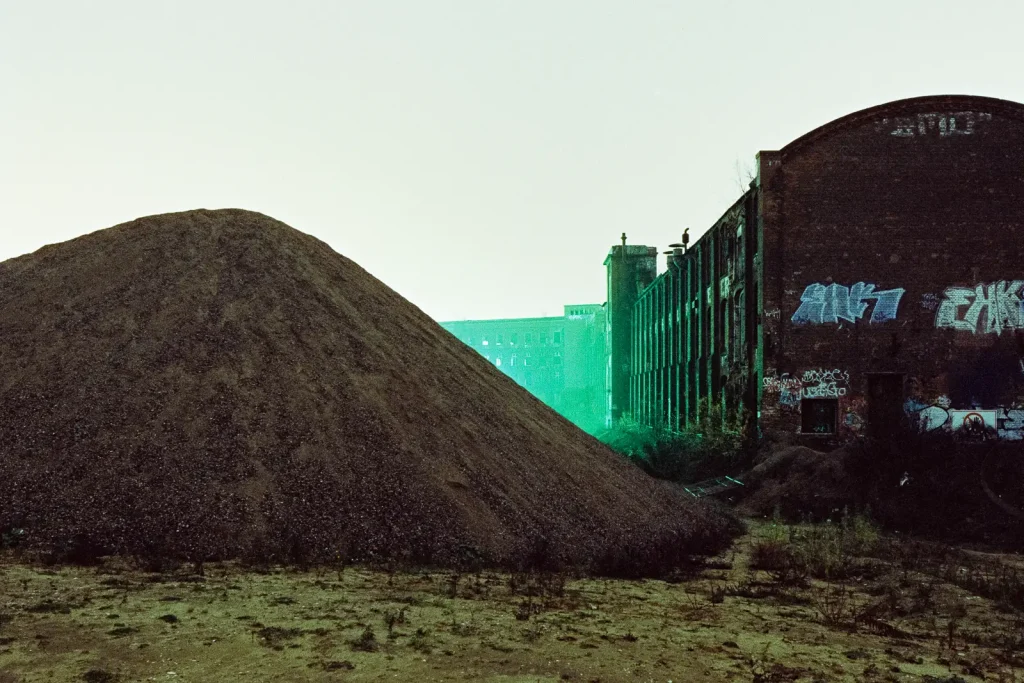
[{"x": 559, "y": 359}]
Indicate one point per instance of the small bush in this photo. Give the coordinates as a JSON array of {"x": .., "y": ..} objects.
[
  {"x": 714, "y": 445},
  {"x": 367, "y": 641},
  {"x": 826, "y": 551},
  {"x": 835, "y": 605}
]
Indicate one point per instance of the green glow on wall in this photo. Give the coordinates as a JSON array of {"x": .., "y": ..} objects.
[{"x": 559, "y": 359}]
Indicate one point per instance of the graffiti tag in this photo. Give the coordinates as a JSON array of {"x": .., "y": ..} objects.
[
  {"x": 776, "y": 384},
  {"x": 989, "y": 308},
  {"x": 787, "y": 387},
  {"x": 943, "y": 124},
  {"x": 824, "y": 383},
  {"x": 822, "y": 304}
]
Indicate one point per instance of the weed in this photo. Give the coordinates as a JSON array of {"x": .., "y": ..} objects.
[
  {"x": 421, "y": 641},
  {"x": 526, "y": 609},
  {"x": 835, "y": 605},
  {"x": 393, "y": 617},
  {"x": 367, "y": 641},
  {"x": 274, "y": 637}
]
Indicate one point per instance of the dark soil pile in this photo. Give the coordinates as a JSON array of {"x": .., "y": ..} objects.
[
  {"x": 932, "y": 486},
  {"x": 215, "y": 384}
]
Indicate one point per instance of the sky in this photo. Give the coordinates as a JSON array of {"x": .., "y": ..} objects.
[{"x": 478, "y": 156}]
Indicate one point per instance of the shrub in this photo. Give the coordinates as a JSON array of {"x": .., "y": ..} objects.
[
  {"x": 711, "y": 446},
  {"x": 826, "y": 551},
  {"x": 367, "y": 641}
]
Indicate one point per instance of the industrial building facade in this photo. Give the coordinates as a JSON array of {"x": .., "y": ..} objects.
[
  {"x": 872, "y": 272},
  {"x": 559, "y": 359}
]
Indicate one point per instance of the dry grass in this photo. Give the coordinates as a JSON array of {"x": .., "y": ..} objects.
[{"x": 726, "y": 622}]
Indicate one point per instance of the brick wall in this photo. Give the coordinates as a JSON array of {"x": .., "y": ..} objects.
[{"x": 866, "y": 225}]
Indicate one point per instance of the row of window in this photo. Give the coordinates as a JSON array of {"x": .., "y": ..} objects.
[
  {"x": 513, "y": 339},
  {"x": 526, "y": 360}
]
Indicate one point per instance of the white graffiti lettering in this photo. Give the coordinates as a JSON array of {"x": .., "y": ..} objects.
[
  {"x": 822, "y": 304},
  {"x": 932, "y": 123},
  {"x": 824, "y": 383},
  {"x": 990, "y": 308},
  {"x": 774, "y": 384}
]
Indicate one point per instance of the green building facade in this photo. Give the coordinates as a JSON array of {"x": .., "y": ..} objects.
[{"x": 559, "y": 359}]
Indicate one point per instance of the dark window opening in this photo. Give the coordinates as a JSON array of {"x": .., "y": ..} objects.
[{"x": 818, "y": 415}]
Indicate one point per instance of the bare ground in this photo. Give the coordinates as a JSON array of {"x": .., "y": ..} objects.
[{"x": 903, "y": 616}]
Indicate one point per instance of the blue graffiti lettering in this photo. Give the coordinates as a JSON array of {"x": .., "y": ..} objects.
[
  {"x": 990, "y": 307},
  {"x": 822, "y": 304}
]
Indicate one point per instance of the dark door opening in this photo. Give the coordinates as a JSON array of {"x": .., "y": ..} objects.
[{"x": 885, "y": 403}]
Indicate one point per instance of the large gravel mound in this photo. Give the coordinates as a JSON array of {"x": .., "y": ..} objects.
[{"x": 215, "y": 384}]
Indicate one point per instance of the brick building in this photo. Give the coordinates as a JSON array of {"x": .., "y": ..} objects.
[{"x": 873, "y": 271}]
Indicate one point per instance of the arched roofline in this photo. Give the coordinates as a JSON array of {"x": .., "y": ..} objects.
[{"x": 912, "y": 105}]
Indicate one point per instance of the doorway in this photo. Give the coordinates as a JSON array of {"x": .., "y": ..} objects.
[{"x": 885, "y": 403}]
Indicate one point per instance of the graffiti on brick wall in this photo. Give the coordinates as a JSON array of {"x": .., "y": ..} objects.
[
  {"x": 853, "y": 422},
  {"x": 825, "y": 383},
  {"x": 1010, "y": 423},
  {"x": 972, "y": 419},
  {"x": 777, "y": 384},
  {"x": 1006, "y": 423},
  {"x": 786, "y": 386},
  {"x": 984, "y": 309},
  {"x": 942, "y": 124},
  {"x": 813, "y": 384},
  {"x": 821, "y": 304}
]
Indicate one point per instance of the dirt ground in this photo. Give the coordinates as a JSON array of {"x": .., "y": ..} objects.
[{"x": 902, "y": 614}]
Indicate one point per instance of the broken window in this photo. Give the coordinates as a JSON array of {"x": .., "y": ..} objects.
[{"x": 818, "y": 415}]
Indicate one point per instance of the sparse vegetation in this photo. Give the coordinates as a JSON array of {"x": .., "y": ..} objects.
[
  {"x": 864, "y": 602},
  {"x": 715, "y": 445}
]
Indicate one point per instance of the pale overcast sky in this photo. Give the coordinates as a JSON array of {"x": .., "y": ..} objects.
[{"x": 478, "y": 156}]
